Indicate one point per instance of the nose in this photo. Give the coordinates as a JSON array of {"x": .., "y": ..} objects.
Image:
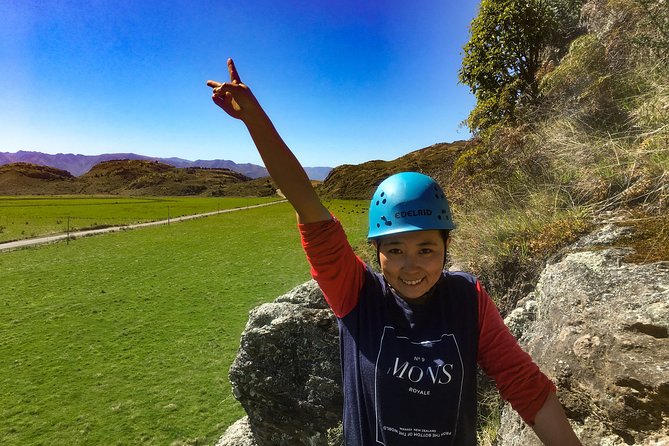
[{"x": 410, "y": 263}]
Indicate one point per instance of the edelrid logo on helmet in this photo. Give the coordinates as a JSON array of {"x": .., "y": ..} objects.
[{"x": 413, "y": 213}]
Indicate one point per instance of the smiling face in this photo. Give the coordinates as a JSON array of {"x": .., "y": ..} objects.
[{"x": 412, "y": 262}]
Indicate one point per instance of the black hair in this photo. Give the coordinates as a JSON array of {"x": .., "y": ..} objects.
[{"x": 445, "y": 235}]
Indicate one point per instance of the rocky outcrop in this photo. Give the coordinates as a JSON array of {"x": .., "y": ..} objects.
[
  {"x": 238, "y": 434},
  {"x": 286, "y": 374},
  {"x": 599, "y": 327}
]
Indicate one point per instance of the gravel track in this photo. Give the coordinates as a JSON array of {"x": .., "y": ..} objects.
[{"x": 54, "y": 238}]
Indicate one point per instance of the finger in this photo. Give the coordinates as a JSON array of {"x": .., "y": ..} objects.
[
  {"x": 219, "y": 101},
  {"x": 213, "y": 84},
  {"x": 234, "y": 76},
  {"x": 226, "y": 103},
  {"x": 221, "y": 98},
  {"x": 221, "y": 89}
]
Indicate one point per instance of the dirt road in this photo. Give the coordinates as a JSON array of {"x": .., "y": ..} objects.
[{"x": 54, "y": 238}]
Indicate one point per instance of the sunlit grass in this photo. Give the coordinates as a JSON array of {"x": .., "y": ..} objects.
[
  {"x": 127, "y": 338},
  {"x": 29, "y": 216}
]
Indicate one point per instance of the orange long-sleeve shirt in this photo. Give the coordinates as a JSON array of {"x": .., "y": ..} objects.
[{"x": 341, "y": 276}]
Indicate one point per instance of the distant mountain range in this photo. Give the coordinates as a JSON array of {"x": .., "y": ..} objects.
[
  {"x": 78, "y": 165},
  {"x": 146, "y": 176}
]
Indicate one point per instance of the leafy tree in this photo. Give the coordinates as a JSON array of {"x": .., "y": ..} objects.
[{"x": 509, "y": 41}]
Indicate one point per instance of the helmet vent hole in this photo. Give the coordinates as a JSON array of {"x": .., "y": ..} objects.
[
  {"x": 384, "y": 201},
  {"x": 377, "y": 202},
  {"x": 378, "y": 225},
  {"x": 439, "y": 217},
  {"x": 436, "y": 196},
  {"x": 383, "y": 194}
]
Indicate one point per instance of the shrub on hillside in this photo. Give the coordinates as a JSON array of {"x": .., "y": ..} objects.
[
  {"x": 632, "y": 31},
  {"x": 582, "y": 87}
]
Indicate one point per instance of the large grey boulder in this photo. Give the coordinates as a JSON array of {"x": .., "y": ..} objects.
[
  {"x": 286, "y": 374},
  {"x": 599, "y": 327}
]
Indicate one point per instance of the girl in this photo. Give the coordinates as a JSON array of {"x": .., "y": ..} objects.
[{"x": 412, "y": 336}]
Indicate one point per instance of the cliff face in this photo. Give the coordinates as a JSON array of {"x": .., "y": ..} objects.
[
  {"x": 600, "y": 328},
  {"x": 596, "y": 325}
]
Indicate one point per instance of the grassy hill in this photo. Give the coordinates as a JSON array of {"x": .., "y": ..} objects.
[
  {"x": 31, "y": 179},
  {"x": 130, "y": 177},
  {"x": 358, "y": 182}
]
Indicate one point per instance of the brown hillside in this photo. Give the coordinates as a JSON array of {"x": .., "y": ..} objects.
[
  {"x": 36, "y": 171},
  {"x": 32, "y": 179},
  {"x": 135, "y": 177},
  {"x": 113, "y": 177},
  {"x": 152, "y": 178},
  {"x": 259, "y": 187},
  {"x": 360, "y": 181},
  {"x": 130, "y": 177}
]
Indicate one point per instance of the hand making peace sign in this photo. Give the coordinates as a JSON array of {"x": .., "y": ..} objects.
[{"x": 234, "y": 97}]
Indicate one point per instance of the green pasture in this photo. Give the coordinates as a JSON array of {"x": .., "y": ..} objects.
[
  {"x": 127, "y": 338},
  {"x": 32, "y": 216}
]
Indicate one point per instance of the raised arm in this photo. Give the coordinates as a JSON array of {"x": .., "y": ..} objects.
[{"x": 239, "y": 102}]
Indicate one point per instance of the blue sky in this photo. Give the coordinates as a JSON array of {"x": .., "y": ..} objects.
[{"x": 344, "y": 81}]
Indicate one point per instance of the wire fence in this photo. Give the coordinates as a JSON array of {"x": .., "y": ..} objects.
[{"x": 29, "y": 218}]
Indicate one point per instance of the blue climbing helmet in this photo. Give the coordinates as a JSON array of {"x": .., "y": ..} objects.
[{"x": 408, "y": 201}]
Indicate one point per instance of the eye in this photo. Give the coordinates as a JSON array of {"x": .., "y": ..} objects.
[
  {"x": 426, "y": 251},
  {"x": 395, "y": 251}
]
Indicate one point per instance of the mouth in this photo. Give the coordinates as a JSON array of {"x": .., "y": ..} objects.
[{"x": 412, "y": 282}]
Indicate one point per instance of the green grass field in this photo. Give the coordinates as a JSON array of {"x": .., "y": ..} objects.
[
  {"x": 31, "y": 216},
  {"x": 127, "y": 338}
]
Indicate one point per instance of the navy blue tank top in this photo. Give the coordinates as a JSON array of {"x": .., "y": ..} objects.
[{"x": 409, "y": 371}]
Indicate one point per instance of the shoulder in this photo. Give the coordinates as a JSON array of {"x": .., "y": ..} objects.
[
  {"x": 374, "y": 280},
  {"x": 461, "y": 278},
  {"x": 459, "y": 283}
]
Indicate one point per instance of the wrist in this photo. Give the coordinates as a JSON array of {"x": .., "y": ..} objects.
[{"x": 255, "y": 116}]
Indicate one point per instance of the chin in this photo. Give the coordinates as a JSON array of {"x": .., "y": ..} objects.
[{"x": 408, "y": 292}]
